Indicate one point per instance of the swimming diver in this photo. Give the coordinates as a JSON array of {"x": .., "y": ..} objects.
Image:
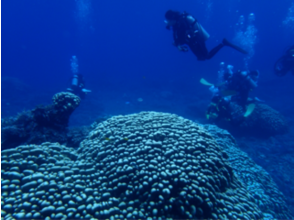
[
  {"x": 77, "y": 86},
  {"x": 285, "y": 63},
  {"x": 187, "y": 30}
]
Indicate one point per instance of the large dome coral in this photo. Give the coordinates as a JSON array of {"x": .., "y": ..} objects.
[{"x": 136, "y": 166}]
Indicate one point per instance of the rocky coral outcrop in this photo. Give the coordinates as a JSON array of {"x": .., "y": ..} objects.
[
  {"x": 265, "y": 121},
  {"x": 66, "y": 102},
  {"x": 42, "y": 124}
]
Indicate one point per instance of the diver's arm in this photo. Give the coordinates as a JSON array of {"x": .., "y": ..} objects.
[
  {"x": 176, "y": 40},
  {"x": 179, "y": 45},
  {"x": 252, "y": 83}
]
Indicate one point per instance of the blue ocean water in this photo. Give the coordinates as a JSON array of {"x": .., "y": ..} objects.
[
  {"x": 126, "y": 56},
  {"x": 124, "y": 47}
]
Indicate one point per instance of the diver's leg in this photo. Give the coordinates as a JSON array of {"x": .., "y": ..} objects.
[
  {"x": 243, "y": 98},
  {"x": 227, "y": 43},
  {"x": 199, "y": 50},
  {"x": 214, "y": 51}
]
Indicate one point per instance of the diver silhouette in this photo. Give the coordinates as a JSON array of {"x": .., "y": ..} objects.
[
  {"x": 187, "y": 30},
  {"x": 285, "y": 63}
]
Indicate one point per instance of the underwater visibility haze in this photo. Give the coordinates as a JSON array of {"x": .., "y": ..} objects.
[{"x": 147, "y": 109}]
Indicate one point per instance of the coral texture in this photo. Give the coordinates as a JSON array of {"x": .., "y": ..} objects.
[
  {"x": 147, "y": 165},
  {"x": 266, "y": 120},
  {"x": 66, "y": 101},
  {"x": 256, "y": 180}
]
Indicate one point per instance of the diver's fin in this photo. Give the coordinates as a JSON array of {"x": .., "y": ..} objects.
[
  {"x": 204, "y": 82},
  {"x": 249, "y": 110},
  {"x": 227, "y": 43}
]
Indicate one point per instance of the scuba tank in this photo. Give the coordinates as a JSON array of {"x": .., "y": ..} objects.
[
  {"x": 75, "y": 80},
  {"x": 203, "y": 33},
  {"x": 195, "y": 29}
]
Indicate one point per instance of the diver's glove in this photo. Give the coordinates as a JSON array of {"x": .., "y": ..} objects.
[{"x": 183, "y": 48}]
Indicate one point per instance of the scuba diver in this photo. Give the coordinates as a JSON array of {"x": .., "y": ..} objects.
[
  {"x": 219, "y": 108},
  {"x": 77, "y": 86},
  {"x": 230, "y": 97},
  {"x": 285, "y": 64},
  {"x": 223, "y": 108},
  {"x": 239, "y": 84},
  {"x": 187, "y": 30}
]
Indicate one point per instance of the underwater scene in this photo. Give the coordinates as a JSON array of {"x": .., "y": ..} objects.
[{"x": 147, "y": 109}]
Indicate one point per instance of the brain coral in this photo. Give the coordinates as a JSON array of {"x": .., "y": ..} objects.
[{"x": 146, "y": 165}]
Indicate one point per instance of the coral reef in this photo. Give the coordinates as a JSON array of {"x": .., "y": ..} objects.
[
  {"x": 66, "y": 102},
  {"x": 276, "y": 156},
  {"x": 42, "y": 124},
  {"x": 256, "y": 180},
  {"x": 264, "y": 121},
  {"x": 147, "y": 165},
  {"x": 76, "y": 135},
  {"x": 28, "y": 178},
  {"x": 136, "y": 166}
]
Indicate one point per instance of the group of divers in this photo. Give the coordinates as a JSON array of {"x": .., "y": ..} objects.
[{"x": 233, "y": 88}]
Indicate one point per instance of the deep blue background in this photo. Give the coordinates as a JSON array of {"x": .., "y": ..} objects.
[{"x": 124, "y": 44}]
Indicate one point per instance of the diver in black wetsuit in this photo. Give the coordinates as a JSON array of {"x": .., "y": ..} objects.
[
  {"x": 187, "y": 30},
  {"x": 77, "y": 86},
  {"x": 242, "y": 82},
  {"x": 222, "y": 108},
  {"x": 230, "y": 99},
  {"x": 285, "y": 63}
]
